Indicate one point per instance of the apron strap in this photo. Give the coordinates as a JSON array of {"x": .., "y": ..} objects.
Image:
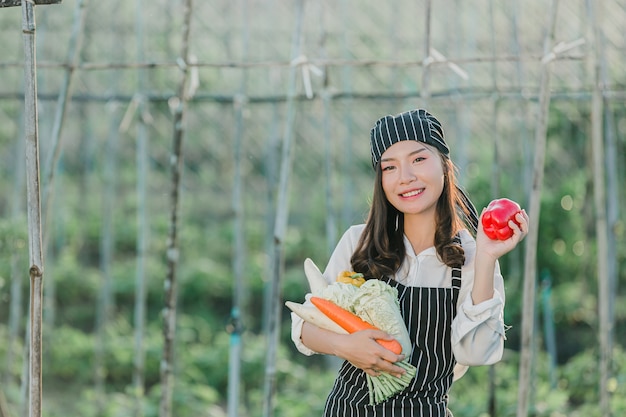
[{"x": 456, "y": 276}]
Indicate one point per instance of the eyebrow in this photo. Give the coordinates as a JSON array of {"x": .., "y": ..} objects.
[{"x": 410, "y": 154}]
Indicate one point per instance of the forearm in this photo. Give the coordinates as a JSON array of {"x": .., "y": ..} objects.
[
  {"x": 320, "y": 340},
  {"x": 484, "y": 270}
]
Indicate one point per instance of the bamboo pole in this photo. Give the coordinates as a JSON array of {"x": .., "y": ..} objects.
[
  {"x": 140, "y": 276},
  {"x": 235, "y": 323},
  {"x": 613, "y": 202},
  {"x": 280, "y": 225},
  {"x": 239, "y": 249},
  {"x": 104, "y": 305},
  {"x": 444, "y": 96},
  {"x": 614, "y": 189},
  {"x": 176, "y": 167},
  {"x": 139, "y": 356},
  {"x": 393, "y": 42},
  {"x": 347, "y": 168},
  {"x": 605, "y": 327},
  {"x": 495, "y": 166},
  {"x": 425, "y": 93},
  {"x": 33, "y": 209},
  {"x": 522, "y": 125},
  {"x": 528, "y": 302},
  {"x": 105, "y": 298},
  {"x": 548, "y": 325},
  {"x": 357, "y": 63},
  {"x": 461, "y": 130},
  {"x": 329, "y": 139},
  {"x": 495, "y": 184},
  {"x": 271, "y": 174}
]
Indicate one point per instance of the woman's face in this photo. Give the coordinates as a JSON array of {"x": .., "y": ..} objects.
[{"x": 412, "y": 177}]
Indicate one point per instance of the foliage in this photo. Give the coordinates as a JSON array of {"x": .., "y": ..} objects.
[
  {"x": 566, "y": 252},
  {"x": 202, "y": 378},
  {"x": 575, "y": 393}
]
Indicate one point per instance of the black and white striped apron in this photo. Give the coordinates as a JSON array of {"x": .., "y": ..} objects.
[{"x": 428, "y": 315}]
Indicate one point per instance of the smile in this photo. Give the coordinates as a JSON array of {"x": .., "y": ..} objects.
[{"x": 412, "y": 193}]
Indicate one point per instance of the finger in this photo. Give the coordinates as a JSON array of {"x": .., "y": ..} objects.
[
  {"x": 396, "y": 371},
  {"x": 517, "y": 228},
  {"x": 389, "y": 368},
  {"x": 520, "y": 222},
  {"x": 518, "y": 232},
  {"x": 389, "y": 356},
  {"x": 379, "y": 334},
  {"x": 523, "y": 219}
]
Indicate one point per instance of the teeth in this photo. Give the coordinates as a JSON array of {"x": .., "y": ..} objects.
[{"x": 411, "y": 193}]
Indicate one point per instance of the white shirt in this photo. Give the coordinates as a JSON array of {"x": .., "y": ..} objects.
[{"x": 477, "y": 330}]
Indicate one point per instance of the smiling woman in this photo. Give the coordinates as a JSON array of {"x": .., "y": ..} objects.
[{"x": 418, "y": 238}]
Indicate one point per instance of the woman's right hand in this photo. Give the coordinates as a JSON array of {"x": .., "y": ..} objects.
[{"x": 362, "y": 351}]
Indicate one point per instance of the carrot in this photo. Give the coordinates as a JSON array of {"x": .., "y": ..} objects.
[{"x": 351, "y": 322}]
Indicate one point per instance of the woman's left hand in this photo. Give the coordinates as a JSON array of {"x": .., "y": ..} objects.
[{"x": 497, "y": 248}]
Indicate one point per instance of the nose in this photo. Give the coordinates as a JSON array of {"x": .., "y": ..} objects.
[{"x": 407, "y": 175}]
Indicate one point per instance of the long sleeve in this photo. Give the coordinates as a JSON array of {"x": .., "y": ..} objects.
[
  {"x": 478, "y": 331},
  {"x": 339, "y": 261}
]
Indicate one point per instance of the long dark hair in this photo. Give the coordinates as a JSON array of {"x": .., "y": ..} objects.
[{"x": 381, "y": 251}]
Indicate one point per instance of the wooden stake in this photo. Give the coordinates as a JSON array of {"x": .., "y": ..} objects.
[
  {"x": 178, "y": 106},
  {"x": 528, "y": 306},
  {"x": 239, "y": 245},
  {"x": 425, "y": 93},
  {"x": 33, "y": 208},
  {"x": 605, "y": 328},
  {"x": 280, "y": 225}
]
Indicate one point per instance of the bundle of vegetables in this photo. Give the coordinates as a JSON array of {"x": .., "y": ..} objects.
[{"x": 351, "y": 304}]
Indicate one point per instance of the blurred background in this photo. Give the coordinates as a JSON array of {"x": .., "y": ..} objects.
[{"x": 279, "y": 98}]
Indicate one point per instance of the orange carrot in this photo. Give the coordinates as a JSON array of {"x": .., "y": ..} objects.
[{"x": 351, "y": 322}]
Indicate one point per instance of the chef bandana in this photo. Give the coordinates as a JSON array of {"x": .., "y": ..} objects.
[{"x": 416, "y": 125}]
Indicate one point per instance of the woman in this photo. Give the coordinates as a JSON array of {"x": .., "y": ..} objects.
[{"x": 417, "y": 238}]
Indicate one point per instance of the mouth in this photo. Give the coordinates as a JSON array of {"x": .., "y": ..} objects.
[{"x": 412, "y": 193}]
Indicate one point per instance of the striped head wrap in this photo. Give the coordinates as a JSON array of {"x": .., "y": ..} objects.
[{"x": 416, "y": 125}]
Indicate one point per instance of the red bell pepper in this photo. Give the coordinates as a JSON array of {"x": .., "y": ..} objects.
[{"x": 496, "y": 218}]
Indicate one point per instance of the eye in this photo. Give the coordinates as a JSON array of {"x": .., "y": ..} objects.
[
  {"x": 419, "y": 159},
  {"x": 387, "y": 168}
]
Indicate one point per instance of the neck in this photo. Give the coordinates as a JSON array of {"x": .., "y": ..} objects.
[{"x": 420, "y": 231}]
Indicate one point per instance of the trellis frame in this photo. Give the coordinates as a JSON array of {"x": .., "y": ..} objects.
[{"x": 289, "y": 99}]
